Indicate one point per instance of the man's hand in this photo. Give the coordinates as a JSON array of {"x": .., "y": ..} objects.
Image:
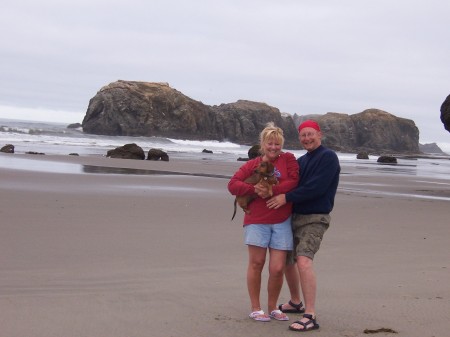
[{"x": 277, "y": 201}]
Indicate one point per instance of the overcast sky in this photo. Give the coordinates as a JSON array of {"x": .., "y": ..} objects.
[{"x": 299, "y": 56}]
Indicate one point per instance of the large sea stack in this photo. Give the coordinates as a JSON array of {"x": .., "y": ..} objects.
[
  {"x": 125, "y": 108},
  {"x": 128, "y": 108},
  {"x": 372, "y": 130},
  {"x": 243, "y": 121}
]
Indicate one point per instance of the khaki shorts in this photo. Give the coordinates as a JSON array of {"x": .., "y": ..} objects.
[{"x": 308, "y": 234}]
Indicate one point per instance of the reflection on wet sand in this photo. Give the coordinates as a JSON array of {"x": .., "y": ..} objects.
[{"x": 132, "y": 171}]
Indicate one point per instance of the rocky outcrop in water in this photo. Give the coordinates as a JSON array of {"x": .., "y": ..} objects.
[
  {"x": 128, "y": 151},
  {"x": 373, "y": 131},
  {"x": 8, "y": 148},
  {"x": 126, "y": 108},
  {"x": 157, "y": 154},
  {"x": 362, "y": 155},
  {"x": 445, "y": 113},
  {"x": 243, "y": 121},
  {"x": 74, "y": 126},
  {"x": 431, "y": 148},
  {"x": 387, "y": 160}
]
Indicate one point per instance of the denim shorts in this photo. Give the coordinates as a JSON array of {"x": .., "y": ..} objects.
[{"x": 275, "y": 236}]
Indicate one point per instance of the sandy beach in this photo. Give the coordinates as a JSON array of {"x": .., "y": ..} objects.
[{"x": 91, "y": 246}]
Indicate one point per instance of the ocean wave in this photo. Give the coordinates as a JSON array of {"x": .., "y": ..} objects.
[
  {"x": 206, "y": 143},
  {"x": 14, "y": 130},
  {"x": 52, "y": 138},
  {"x": 57, "y": 138}
]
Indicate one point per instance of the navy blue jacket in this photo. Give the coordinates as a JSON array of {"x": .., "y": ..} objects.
[{"x": 319, "y": 179}]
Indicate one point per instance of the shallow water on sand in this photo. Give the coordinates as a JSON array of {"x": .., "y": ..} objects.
[{"x": 430, "y": 176}]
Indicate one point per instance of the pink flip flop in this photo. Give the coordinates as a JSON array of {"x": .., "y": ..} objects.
[
  {"x": 278, "y": 315},
  {"x": 259, "y": 316}
]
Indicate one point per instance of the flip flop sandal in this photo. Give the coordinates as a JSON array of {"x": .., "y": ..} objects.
[
  {"x": 298, "y": 308},
  {"x": 310, "y": 321},
  {"x": 259, "y": 316},
  {"x": 278, "y": 315}
]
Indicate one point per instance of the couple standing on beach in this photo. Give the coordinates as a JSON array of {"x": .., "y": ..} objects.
[{"x": 289, "y": 221}]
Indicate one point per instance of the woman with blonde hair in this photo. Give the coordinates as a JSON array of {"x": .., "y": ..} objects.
[{"x": 267, "y": 229}]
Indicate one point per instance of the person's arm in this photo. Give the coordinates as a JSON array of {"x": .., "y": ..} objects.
[
  {"x": 237, "y": 186},
  {"x": 315, "y": 187}
]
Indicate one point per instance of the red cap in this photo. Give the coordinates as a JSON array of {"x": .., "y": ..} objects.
[{"x": 309, "y": 124}]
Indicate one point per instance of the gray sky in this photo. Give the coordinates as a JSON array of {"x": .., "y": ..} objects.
[{"x": 299, "y": 56}]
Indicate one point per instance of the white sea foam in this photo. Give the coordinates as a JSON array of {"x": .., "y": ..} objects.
[
  {"x": 212, "y": 143},
  {"x": 54, "y": 138},
  {"x": 57, "y": 139}
]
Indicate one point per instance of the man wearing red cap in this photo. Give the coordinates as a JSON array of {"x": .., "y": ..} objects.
[{"x": 313, "y": 201}]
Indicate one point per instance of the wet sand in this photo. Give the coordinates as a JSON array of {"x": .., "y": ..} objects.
[{"x": 92, "y": 246}]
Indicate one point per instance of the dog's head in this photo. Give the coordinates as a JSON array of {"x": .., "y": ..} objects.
[{"x": 266, "y": 169}]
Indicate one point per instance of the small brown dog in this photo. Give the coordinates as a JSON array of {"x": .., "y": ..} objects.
[{"x": 263, "y": 174}]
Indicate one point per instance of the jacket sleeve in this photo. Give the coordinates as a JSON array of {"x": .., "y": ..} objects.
[
  {"x": 236, "y": 185},
  {"x": 292, "y": 176},
  {"x": 319, "y": 184}
]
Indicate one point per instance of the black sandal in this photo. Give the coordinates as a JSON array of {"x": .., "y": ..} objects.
[
  {"x": 299, "y": 309},
  {"x": 310, "y": 321}
]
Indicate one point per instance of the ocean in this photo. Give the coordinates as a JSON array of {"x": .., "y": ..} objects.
[{"x": 56, "y": 138}]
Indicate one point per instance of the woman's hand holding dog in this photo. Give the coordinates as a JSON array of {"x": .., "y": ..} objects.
[
  {"x": 277, "y": 201},
  {"x": 262, "y": 191}
]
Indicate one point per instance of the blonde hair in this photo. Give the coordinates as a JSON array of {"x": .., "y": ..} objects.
[{"x": 270, "y": 132}]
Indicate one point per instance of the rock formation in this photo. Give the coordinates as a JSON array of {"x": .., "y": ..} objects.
[
  {"x": 362, "y": 155},
  {"x": 445, "y": 113},
  {"x": 128, "y": 151},
  {"x": 126, "y": 108},
  {"x": 8, "y": 148},
  {"x": 431, "y": 148},
  {"x": 34, "y": 152},
  {"x": 243, "y": 121},
  {"x": 157, "y": 154},
  {"x": 373, "y": 131},
  {"x": 74, "y": 126},
  {"x": 254, "y": 151},
  {"x": 387, "y": 160}
]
